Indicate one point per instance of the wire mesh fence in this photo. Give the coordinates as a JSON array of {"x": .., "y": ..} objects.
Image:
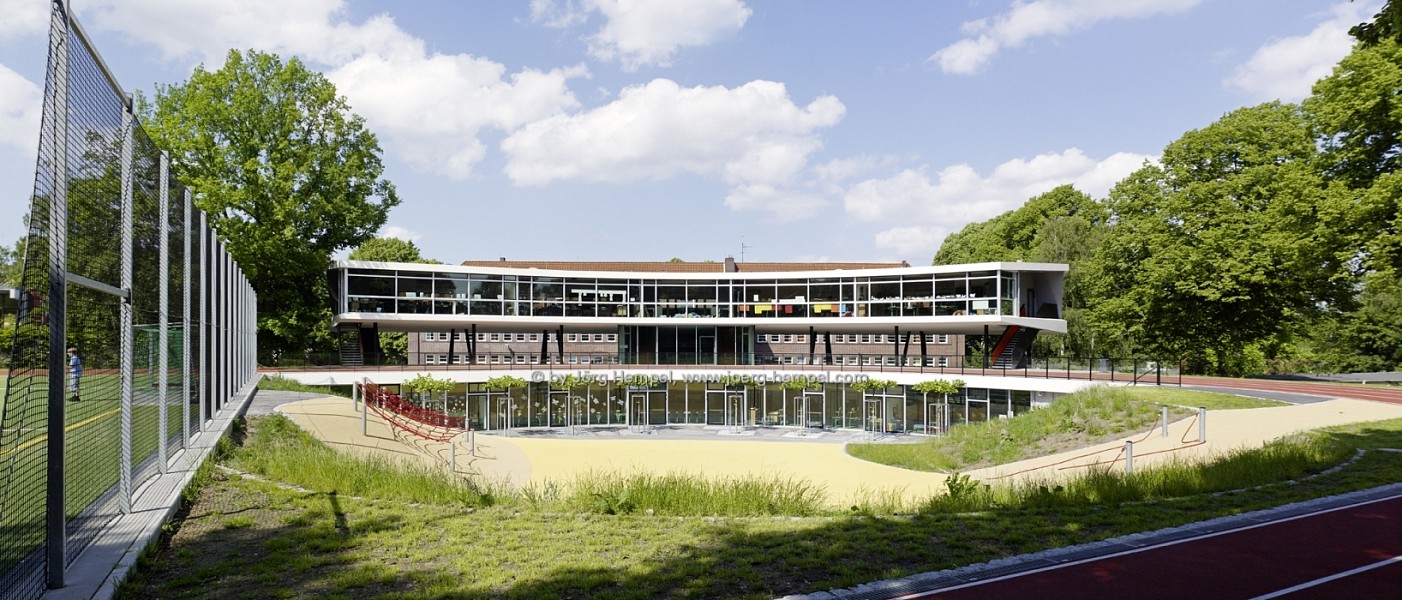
[{"x": 129, "y": 302}]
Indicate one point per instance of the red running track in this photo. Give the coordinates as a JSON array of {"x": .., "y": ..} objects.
[
  {"x": 1392, "y": 395},
  {"x": 1349, "y": 552}
]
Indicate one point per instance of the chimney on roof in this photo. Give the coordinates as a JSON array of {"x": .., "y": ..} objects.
[
  {"x": 905, "y": 264},
  {"x": 730, "y": 265},
  {"x": 502, "y": 259}
]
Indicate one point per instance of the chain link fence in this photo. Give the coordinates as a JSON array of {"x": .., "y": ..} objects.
[{"x": 134, "y": 325}]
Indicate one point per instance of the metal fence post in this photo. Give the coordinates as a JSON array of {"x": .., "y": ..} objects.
[
  {"x": 204, "y": 321},
  {"x": 55, "y": 518},
  {"x": 163, "y": 310},
  {"x": 185, "y": 328},
  {"x": 126, "y": 323}
]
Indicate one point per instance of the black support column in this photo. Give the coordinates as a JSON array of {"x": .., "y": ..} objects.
[
  {"x": 544, "y": 345},
  {"x": 812, "y": 344},
  {"x": 827, "y": 341},
  {"x": 452, "y": 338},
  {"x": 896, "y": 345}
]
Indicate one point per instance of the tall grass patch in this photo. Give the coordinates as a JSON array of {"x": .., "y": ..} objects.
[
  {"x": 278, "y": 449},
  {"x": 694, "y": 495},
  {"x": 1087, "y": 417},
  {"x": 283, "y": 384},
  {"x": 1281, "y": 460}
]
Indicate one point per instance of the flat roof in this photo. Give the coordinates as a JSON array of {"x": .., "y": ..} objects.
[
  {"x": 681, "y": 266},
  {"x": 792, "y": 270}
]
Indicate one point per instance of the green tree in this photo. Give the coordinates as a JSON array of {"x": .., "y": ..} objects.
[
  {"x": 388, "y": 249},
  {"x": 1387, "y": 24},
  {"x": 1073, "y": 240},
  {"x": 1357, "y": 116},
  {"x": 287, "y": 174},
  {"x": 1013, "y": 235},
  {"x": 10, "y": 264},
  {"x": 1226, "y": 244}
]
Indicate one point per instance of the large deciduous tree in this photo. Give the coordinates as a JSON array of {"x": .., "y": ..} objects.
[
  {"x": 287, "y": 174},
  {"x": 1012, "y": 235},
  {"x": 1227, "y": 242},
  {"x": 1356, "y": 112}
]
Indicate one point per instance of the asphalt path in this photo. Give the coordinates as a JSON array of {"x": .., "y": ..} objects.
[
  {"x": 1391, "y": 395},
  {"x": 1289, "y": 397}
]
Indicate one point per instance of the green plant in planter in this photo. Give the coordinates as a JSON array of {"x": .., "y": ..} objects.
[
  {"x": 872, "y": 385},
  {"x": 503, "y": 383},
  {"x": 803, "y": 382}
]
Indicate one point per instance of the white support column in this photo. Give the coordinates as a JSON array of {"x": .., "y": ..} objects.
[
  {"x": 125, "y": 321},
  {"x": 1129, "y": 457}
]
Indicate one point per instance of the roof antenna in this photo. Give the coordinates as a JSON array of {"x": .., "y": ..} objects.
[{"x": 743, "y": 247}]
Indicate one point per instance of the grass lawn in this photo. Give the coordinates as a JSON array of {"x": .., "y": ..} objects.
[
  {"x": 91, "y": 458},
  {"x": 250, "y": 538},
  {"x": 1193, "y": 398},
  {"x": 1078, "y": 420}
]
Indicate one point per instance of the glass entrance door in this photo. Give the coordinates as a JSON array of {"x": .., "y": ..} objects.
[
  {"x": 737, "y": 410},
  {"x": 812, "y": 410},
  {"x": 730, "y": 408},
  {"x": 558, "y": 408},
  {"x": 637, "y": 411},
  {"x": 873, "y": 414}
]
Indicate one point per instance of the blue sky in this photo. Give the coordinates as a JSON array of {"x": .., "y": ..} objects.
[{"x": 802, "y": 130}]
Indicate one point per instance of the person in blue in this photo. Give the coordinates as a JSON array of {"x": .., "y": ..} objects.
[{"x": 75, "y": 372}]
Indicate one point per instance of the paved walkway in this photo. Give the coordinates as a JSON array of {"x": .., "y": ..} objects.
[{"x": 519, "y": 460}]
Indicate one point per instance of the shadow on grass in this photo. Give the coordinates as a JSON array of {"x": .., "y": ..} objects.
[{"x": 325, "y": 545}]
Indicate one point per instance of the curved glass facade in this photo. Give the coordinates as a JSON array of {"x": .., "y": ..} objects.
[{"x": 988, "y": 289}]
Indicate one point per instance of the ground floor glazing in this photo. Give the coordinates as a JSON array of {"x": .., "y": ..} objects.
[{"x": 832, "y": 406}]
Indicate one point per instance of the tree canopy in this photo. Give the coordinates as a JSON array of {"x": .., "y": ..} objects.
[
  {"x": 388, "y": 249},
  {"x": 286, "y": 172}
]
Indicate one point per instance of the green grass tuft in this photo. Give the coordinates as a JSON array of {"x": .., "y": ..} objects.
[{"x": 280, "y": 450}]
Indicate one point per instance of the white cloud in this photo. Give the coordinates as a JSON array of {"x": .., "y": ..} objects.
[
  {"x": 641, "y": 33},
  {"x": 915, "y": 241},
  {"x": 23, "y": 18},
  {"x": 1039, "y": 18},
  {"x": 395, "y": 231},
  {"x": 922, "y": 209},
  {"x": 427, "y": 107},
  {"x": 432, "y": 108},
  {"x": 1286, "y": 69},
  {"x": 21, "y": 104},
  {"x": 751, "y": 134}
]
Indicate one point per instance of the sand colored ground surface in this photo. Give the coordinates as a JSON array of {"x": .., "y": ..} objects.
[{"x": 519, "y": 461}]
